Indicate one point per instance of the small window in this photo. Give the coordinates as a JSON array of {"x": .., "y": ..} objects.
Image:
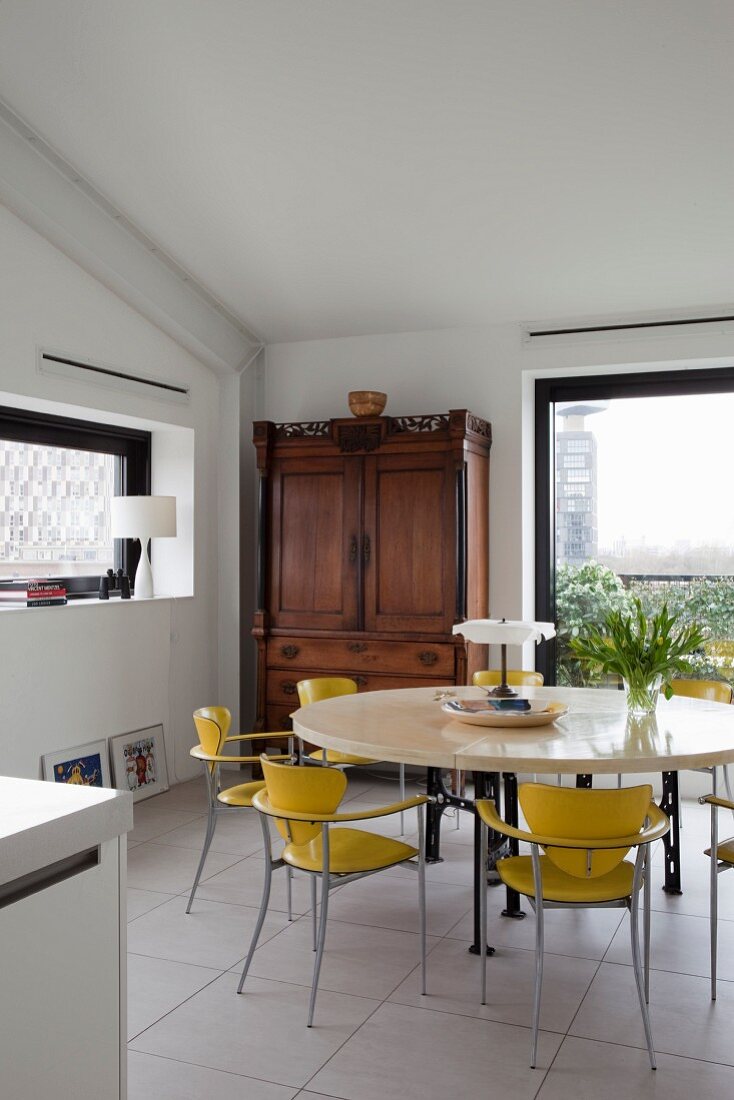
[{"x": 56, "y": 522}]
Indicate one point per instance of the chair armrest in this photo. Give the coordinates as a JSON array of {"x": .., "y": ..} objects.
[
  {"x": 211, "y": 758},
  {"x": 253, "y": 736},
  {"x": 659, "y": 826},
  {"x": 262, "y": 803},
  {"x": 713, "y": 800}
]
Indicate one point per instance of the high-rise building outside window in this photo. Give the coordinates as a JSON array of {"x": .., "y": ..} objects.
[{"x": 57, "y": 478}]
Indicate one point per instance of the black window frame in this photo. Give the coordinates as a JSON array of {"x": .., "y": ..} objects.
[
  {"x": 131, "y": 445},
  {"x": 596, "y": 387}
]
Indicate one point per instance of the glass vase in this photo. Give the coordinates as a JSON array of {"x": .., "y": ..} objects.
[{"x": 642, "y": 695}]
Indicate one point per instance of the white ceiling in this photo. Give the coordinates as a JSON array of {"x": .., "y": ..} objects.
[{"x": 334, "y": 167}]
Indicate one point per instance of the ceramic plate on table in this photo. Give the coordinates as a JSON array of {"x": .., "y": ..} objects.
[{"x": 479, "y": 712}]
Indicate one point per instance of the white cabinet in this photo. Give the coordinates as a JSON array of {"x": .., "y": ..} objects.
[{"x": 62, "y": 946}]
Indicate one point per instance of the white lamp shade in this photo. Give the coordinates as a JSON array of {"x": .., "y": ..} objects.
[
  {"x": 504, "y": 632},
  {"x": 143, "y": 517}
]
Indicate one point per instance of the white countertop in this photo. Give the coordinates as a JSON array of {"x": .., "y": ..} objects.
[{"x": 41, "y": 822}]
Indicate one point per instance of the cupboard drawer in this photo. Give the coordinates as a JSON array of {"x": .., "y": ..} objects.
[
  {"x": 282, "y": 689},
  {"x": 393, "y": 658}
]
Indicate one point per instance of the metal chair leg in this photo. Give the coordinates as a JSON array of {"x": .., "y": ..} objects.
[
  {"x": 263, "y": 904},
  {"x": 402, "y": 799},
  {"x": 538, "y": 886},
  {"x": 322, "y": 921},
  {"x": 457, "y": 789},
  {"x": 483, "y": 911},
  {"x": 714, "y": 890},
  {"x": 211, "y": 825},
  {"x": 289, "y": 890},
  {"x": 636, "y": 961},
  {"x": 314, "y": 910},
  {"x": 422, "y": 893},
  {"x": 646, "y": 924}
]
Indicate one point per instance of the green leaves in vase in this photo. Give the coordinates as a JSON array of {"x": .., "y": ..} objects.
[{"x": 637, "y": 648}]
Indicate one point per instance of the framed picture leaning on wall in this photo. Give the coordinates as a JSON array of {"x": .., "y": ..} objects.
[
  {"x": 84, "y": 765},
  {"x": 139, "y": 762}
]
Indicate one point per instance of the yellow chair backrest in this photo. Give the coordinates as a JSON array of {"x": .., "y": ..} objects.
[
  {"x": 578, "y": 814},
  {"x": 324, "y": 687},
  {"x": 516, "y": 677},
  {"x": 714, "y": 690},
  {"x": 212, "y": 726},
  {"x": 302, "y": 789}
]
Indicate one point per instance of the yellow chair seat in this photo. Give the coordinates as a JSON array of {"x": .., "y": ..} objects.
[
  {"x": 241, "y": 795},
  {"x": 350, "y": 850},
  {"x": 517, "y": 873},
  {"x": 725, "y": 851},
  {"x": 335, "y": 757}
]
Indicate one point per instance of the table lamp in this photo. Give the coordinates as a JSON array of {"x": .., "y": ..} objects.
[
  {"x": 143, "y": 518},
  {"x": 503, "y": 632}
]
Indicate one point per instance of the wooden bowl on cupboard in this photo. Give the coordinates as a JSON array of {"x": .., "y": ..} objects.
[{"x": 367, "y": 402}]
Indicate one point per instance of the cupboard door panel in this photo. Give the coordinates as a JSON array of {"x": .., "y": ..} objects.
[
  {"x": 315, "y": 526},
  {"x": 409, "y": 555}
]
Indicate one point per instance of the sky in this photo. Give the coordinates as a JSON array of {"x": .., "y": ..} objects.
[{"x": 665, "y": 468}]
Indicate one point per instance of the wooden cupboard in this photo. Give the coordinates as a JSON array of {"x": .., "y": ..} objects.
[{"x": 372, "y": 543}]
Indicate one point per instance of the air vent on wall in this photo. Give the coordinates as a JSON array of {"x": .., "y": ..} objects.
[
  {"x": 680, "y": 325},
  {"x": 154, "y": 389}
]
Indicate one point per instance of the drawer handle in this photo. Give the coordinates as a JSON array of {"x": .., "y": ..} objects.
[
  {"x": 353, "y": 549},
  {"x": 357, "y": 647},
  {"x": 290, "y": 651},
  {"x": 360, "y": 681},
  {"x": 289, "y": 687},
  {"x": 366, "y": 550},
  {"x": 428, "y": 657}
]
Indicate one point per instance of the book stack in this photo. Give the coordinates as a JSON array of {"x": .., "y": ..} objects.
[{"x": 49, "y": 593}]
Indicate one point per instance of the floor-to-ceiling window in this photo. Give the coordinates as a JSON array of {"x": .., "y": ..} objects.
[{"x": 633, "y": 475}]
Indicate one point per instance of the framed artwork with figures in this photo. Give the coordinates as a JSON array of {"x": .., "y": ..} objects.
[
  {"x": 82, "y": 765},
  {"x": 139, "y": 762}
]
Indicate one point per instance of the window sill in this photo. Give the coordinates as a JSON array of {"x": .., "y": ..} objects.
[{"x": 94, "y": 601}]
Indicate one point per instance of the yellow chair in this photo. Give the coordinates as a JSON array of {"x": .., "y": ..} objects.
[
  {"x": 328, "y": 687},
  {"x": 585, "y": 835},
  {"x": 716, "y": 691},
  {"x": 516, "y": 677},
  {"x": 721, "y": 856},
  {"x": 303, "y": 801},
  {"x": 212, "y": 726}
]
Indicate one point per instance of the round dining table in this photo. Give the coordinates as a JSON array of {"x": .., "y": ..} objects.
[{"x": 596, "y": 736}]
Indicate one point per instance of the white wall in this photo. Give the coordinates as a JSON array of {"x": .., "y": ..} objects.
[{"x": 73, "y": 674}]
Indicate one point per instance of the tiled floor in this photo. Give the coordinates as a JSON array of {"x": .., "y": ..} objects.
[{"x": 374, "y": 1036}]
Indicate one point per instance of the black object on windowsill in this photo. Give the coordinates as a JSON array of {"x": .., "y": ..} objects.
[{"x": 114, "y": 582}]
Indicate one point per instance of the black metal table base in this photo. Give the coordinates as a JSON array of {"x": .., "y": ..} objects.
[
  {"x": 486, "y": 785},
  {"x": 512, "y": 907},
  {"x": 670, "y": 805}
]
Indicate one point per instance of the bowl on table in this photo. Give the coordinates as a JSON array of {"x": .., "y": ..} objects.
[{"x": 482, "y": 712}]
